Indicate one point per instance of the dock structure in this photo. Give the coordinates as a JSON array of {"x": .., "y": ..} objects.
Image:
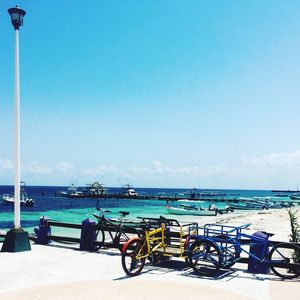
[
  {"x": 285, "y": 191},
  {"x": 173, "y": 198},
  {"x": 152, "y": 197}
]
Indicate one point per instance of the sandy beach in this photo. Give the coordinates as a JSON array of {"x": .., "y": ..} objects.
[{"x": 63, "y": 272}]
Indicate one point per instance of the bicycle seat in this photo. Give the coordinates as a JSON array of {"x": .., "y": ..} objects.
[{"x": 124, "y": 213}]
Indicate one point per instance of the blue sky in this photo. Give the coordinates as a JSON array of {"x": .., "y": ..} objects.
[{"x": 155, "y": 93}]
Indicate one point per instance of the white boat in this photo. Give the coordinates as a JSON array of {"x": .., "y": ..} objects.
[
  {"x": 94, "y": 190},
  {"x": 186, "y": 209},
  {"x": 190, "y": 201},
  {"x": 128, "y": 190},
  {"x": 71, "y": 192},
  {"x": 24, "y": 199}
]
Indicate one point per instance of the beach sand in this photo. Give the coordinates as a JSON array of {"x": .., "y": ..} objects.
[{"x": 63, "y": 272}]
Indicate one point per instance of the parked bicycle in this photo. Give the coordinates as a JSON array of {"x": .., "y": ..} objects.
[
  {"x": 114, "y": 232},
  {"x": 221, "y": 246},
  {"x": 163, "y": 238}
]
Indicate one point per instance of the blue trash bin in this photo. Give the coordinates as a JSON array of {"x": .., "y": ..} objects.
[
  {"x": 260, "y": 251},
  {"x": 88, "y": 235},
  {"x": 43, "y": 231}
]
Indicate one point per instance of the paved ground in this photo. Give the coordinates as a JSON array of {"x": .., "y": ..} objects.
[{"x": 56, "y": 272}]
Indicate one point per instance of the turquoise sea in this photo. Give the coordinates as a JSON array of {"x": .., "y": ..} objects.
[{"x": 75, "y": 210}]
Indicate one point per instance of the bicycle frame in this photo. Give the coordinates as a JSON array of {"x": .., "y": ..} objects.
[
  {"x": 230, "y": 239},
  {"x": 254, "y": 241},
  {"x": 160, "y": 240},
  {"x": 106, "y": 225},
  {"x": 151, "y": 237}
]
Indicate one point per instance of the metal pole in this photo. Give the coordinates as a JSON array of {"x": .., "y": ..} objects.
[{"x": 17, "y": 136}]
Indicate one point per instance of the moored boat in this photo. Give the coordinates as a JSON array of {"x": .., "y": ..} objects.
[
  {"x": 94, "y": 190},
  {"x": 295, "y": 197},
  {"x": 198, "y": 194},
  {"x": 24, "y": 199},
  {"x": 128, "y": 190},
  {"x": 186, "y": 209},
  {"x": 248, "y": 204},
  {"x": 187, "y": 201},
  {"x": 273, "y": 202},
  {"x": 71, "y": 192}
]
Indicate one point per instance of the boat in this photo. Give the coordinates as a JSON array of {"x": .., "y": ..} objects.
[
  {"x": 187, "y": 201},
  {"x": 248, "y": 204},
  {"x": 24, "y": 199},
  {"x": 196, "y": 194},
  {"x": 273, "y": 202},
  {"x": 128, "y": 190},
  {"x": 281, "y": 204},
  {"x": 295, "y": 196},
  {"x": 212, "y": 194},
  {"x": 71, "y": 192},
  {"x": 187, "y": 209},
  {"x": 94, "y": 190},
  {"x": 282, "y": 195}
]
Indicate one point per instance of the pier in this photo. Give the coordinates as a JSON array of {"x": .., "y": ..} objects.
[
  {"x": 152, "y": 197},
  {"x": 173, "y": 198}
]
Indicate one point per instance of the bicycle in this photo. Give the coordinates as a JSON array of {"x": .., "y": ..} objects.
[
  {"x": 220, "y": 246},
  {"x": 163, "y": 238},
  {"x": 118, "y": 231}
]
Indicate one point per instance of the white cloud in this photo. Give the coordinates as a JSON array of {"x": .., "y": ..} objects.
[
  {"x": 36, "y": 167},
  {"x": 159, "y": 169},
  {"x": 6, "y": 164},
  {"x": 153, "y": 174},
  {"x": 287, "y": 161},
  {"x": 64, "y": 167}
]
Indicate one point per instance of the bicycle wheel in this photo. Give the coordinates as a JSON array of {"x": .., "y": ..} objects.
[
  {"x": 285, "y": 260},
  {"x": 228, "y": 249},
  {"x": 131, "y": 263},
  {"x": 124, "y": 237},
  {"x": 100, "y": 238},
  {"x": 205, "y": 257}
]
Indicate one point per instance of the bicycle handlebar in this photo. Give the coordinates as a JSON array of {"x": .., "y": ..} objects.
[
  {"x": 123, "y": 214},
  {"x": 102, "y": 210}
]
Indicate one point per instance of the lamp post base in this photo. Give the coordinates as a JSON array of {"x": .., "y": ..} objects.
[{"x": 16, "y": 240}]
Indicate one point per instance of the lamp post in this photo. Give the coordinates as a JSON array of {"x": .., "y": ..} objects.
[
  {"x": 16, "y": 239},
  {"x": 17, "y": 14}
]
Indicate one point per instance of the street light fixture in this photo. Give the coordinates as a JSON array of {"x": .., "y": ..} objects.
[
  {"x": 16, "y": 239},
  {"x": 17, "y": 14}
]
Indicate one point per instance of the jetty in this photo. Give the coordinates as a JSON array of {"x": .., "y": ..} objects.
[
  {"x": 285, "y": 191},
  {"x": 152, "y": 197},
  {"x": 172, "y": 198}
]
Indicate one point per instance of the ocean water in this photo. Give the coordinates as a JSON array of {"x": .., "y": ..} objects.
[{"x": 75, "y": 210}]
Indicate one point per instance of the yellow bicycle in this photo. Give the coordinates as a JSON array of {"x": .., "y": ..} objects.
[{"x": 168, "y": 239}]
